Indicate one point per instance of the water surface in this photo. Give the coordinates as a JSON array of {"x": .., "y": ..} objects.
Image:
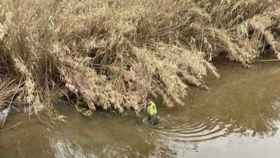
[{"x": 238, "y": 117}]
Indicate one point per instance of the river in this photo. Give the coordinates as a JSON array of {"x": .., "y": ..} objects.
[{"x": 237, "y": 117}]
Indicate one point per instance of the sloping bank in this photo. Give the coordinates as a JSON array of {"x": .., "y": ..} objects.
[{"x": 113, "y": 54}]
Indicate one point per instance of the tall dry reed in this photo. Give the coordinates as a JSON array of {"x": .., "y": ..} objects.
[{"x": 113, "y": 54}]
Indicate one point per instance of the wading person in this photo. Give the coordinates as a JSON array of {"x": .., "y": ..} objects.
[{"x": 152, "y": 112}]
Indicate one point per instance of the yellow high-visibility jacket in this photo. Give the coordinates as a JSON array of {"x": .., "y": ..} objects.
[{"x": 152, "y": 109}]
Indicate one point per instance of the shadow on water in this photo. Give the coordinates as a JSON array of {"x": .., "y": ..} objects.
[{"x": 238, "y": 117}]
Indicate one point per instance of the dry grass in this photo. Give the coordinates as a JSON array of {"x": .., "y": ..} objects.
[{"x": 113, "y": 54}]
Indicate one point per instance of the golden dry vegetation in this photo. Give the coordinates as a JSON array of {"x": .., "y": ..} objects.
[{"x": 112, "y": 54}]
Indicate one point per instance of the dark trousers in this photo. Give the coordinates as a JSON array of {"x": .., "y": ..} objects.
[{"x": 153, "y": 120}]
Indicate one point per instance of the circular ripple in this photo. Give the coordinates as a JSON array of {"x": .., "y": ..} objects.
[{"x": 191, "y": 131}]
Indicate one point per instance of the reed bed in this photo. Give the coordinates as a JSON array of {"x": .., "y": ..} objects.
[{"x": 113, "y": 54}]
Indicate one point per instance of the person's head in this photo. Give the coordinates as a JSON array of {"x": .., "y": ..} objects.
[{"x": 149, "y": 98}]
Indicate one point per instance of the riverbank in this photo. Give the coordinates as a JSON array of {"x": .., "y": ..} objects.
[{"x": 112, "y": 55}]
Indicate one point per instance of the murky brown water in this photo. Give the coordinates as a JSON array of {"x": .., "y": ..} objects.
[{"x": 239, "y": 117}]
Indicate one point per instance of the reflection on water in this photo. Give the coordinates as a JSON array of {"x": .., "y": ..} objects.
[
  {"x": 66, "y": 149},
  {"x": 239, "y": 117}
]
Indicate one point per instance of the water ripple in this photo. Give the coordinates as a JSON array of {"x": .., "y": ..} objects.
[{"x": 190, "y": 131}]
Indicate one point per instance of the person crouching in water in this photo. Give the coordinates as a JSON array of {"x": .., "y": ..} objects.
[{"x": 152, "y": 112}]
